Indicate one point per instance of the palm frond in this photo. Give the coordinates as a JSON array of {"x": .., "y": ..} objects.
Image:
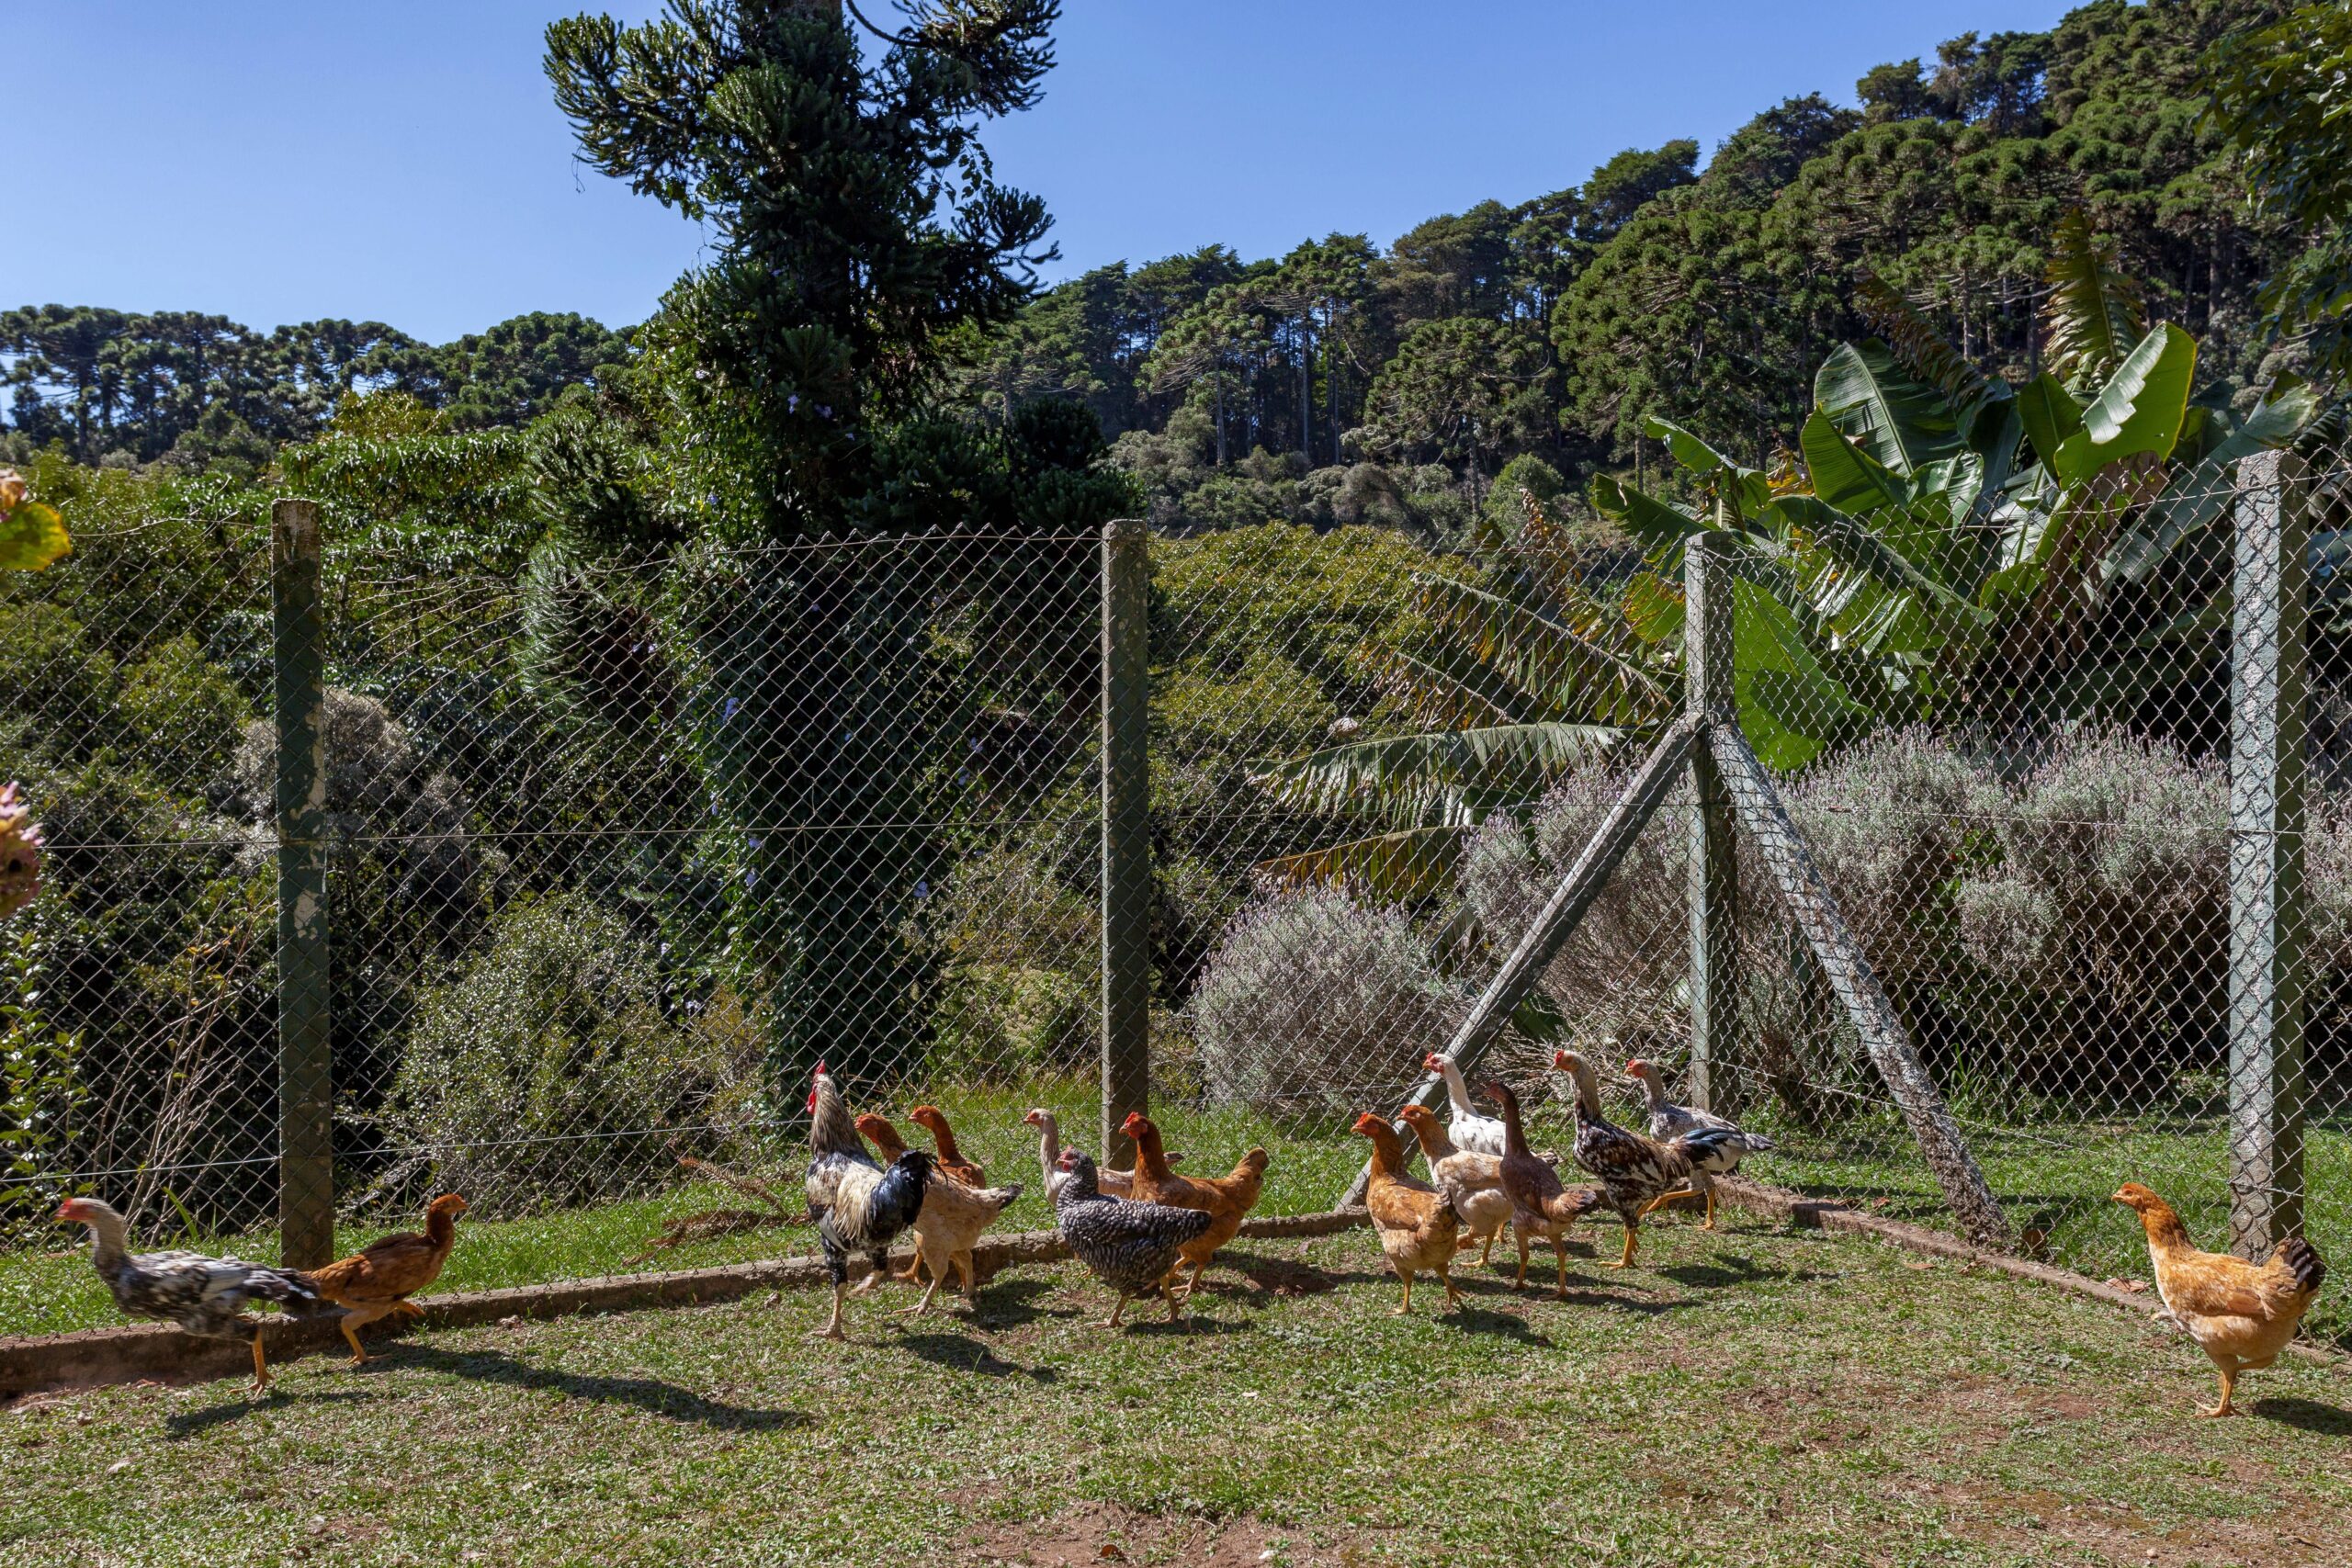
[
  {"x": 1452, "y": 778},
  {"x": 1917, "y": 347},
  {"x": 1446, "y": 691},
  {"x": 1406, "y": 866},
  {"x": 1572, "y": 674}
]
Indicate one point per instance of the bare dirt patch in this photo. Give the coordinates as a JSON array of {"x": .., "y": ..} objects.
[{"x": 1094, "y": 1534}]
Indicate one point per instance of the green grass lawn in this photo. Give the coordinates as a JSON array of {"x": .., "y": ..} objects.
[
  {"x": 1756, "y": 1398},
  {"x": 2055, "y": 1178}
]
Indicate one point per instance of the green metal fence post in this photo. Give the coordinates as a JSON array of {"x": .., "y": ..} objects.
[
  {"x": 2266, "y": 904},
  {"x": 1713, "y": 887},
  {"x": 1126, "y": 832},
  {"x": 305, "y": 1160}
]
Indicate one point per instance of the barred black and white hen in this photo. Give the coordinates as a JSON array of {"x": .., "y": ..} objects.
[
  {"x": 205, "y": 1296},
  {"x": 1669, "y": 1121},
  {"x": 1634, "y": 1171},
  {"x": 1130, "y": 1246},
  {"x": 857, "y": 1205}
]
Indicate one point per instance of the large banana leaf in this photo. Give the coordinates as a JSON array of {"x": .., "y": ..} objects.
[
  {"x": 1407, "y": 866},
  {"x": 1659, "y": 529},
  {"x": 1449, "y": 778},
  {"x": 2139, "y": 408},
  {"x": 2050, "y": 413},
  {"x": 1899, "y": 419},
  {"x": 1790, "y": 706},
  {"x": 2199, "y": 496},
  {"x": 1745, "y": 488},
  {"x": 1844, "y": 474}
]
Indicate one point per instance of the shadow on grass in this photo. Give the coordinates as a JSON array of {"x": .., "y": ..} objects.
[
  {"x": 1726, "y": 1271},
  {"x": 649, "y": 1394},
  {"x": 1010, "y": 1303},
  {"x": 189, "y": 1422},
  {"x": 1500, "y": 1325},
  {"x": 1283, "y": 1276},
  {"x": 962, "y": 1353},
  {"x": 2308, "y": 1413},
  {"x": 1188, "y": 1323}
]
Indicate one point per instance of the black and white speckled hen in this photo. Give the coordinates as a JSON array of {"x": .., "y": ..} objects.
[
  {"x": 1130, "y": 1246},
  {"x": 857, "y": 1205},
  {"x": 1669, "y": 1121},
  {"x": 1634, "y": 1171},
  {"x": 204, "y": 1295}
]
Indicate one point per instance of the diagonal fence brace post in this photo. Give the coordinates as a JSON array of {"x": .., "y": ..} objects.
[
  {"x": 1558, "y": 920},
  {"x": 1781, "y": 848}
]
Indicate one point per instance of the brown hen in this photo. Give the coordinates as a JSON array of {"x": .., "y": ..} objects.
[
  {"x": 376, "y": 1281},
  {"x": 1226, "y": 1199}
]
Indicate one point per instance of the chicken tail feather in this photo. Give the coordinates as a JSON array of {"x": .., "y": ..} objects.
[{"x": 2302, "y": 1260}]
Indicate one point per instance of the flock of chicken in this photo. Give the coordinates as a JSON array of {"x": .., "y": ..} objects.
[{"x": 1137, "y": 1231}]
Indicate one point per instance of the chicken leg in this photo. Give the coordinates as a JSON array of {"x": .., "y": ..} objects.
[
  {"x": 1405, "y": 1310},
  {"x": 1175, "y": 1303},
  {"x": 1632, "y": 1236},
  {"x": 832, "y": 1329},
  {"x": 359, "y": 1317},
  {"x": 922, "y": 1307},
  {"x": 2229, "y": 1387},
  {"x": 261, "y": 1367}
]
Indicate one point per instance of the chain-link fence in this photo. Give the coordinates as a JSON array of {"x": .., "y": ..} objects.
[{"x": 614, "y": 852}]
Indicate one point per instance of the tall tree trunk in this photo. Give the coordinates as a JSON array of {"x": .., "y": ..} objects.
[{"x": 1305, "y": 396}]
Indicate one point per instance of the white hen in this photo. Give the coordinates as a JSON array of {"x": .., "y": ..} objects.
[{"x": 1470, "y": 1132}]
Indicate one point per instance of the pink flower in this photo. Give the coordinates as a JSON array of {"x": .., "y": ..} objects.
[{"x": 20, "y": 854}]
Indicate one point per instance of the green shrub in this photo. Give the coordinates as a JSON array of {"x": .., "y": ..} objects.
[
  {"x": 182, "y": 715},
  {"x": 50, "y": 674},
  {"x": 1267, "y": 709},
  {"x": 548, "y": 1072},
  {"x": 1017, "y": 949}
]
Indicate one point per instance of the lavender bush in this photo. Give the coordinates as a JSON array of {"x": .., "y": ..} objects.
[{"x": 1312, "y": 1002}]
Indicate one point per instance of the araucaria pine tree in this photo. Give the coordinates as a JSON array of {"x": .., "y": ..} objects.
[{"x": 857, "y": 228}]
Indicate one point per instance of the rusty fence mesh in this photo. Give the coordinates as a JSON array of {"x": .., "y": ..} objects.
[{"x": 615, "y": 852}]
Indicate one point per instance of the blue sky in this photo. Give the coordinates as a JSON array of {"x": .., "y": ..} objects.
[{"x": 276, "y": 160}]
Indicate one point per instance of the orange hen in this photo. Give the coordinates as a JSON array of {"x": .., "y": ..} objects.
[
  {"x": 376, "y": 1281},
  {"x": 1226, "y": 1199},
  {"x": 1418, "y": 1227},
  {"x": 950, "y": 1161},
  {"x": 2241, "y": 1313}
]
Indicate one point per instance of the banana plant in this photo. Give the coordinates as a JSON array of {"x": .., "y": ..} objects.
[
  {"x": 1943, "y": 540},
  {"x": 1937, "y": 541}
]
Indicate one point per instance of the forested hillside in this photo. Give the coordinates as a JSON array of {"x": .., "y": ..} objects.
[
  {"x": 1351, "y": 380},
  {"x": 1668, "y": 284}
]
